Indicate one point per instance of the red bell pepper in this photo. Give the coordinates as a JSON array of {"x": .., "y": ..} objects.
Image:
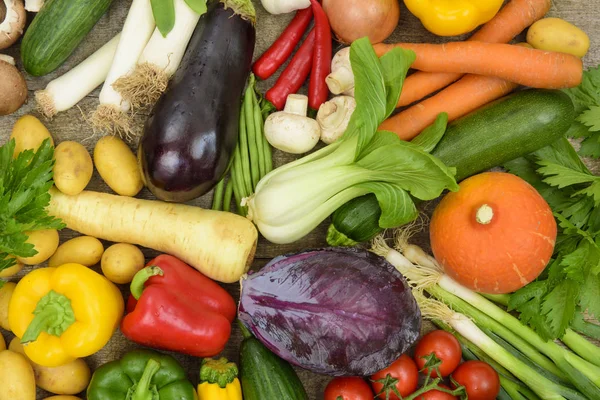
[{"x": 174, "y": 307}]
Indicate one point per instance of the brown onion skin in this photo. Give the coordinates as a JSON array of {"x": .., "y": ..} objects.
[{"x": 354, "y": 19}]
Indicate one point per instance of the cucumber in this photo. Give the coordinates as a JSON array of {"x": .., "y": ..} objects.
[
  {"x": 264, "y": 375},
  {"x": 56, "y": 31},
  {"x": 508, "y": 128}
]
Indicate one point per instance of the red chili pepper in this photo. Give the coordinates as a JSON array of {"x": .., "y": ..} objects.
[
  {"x": 317, "y": 88},
  {"x": 174, "y": 307},
  {"x": 293, "y": 77},
  {"x": 283, "y": 47}
]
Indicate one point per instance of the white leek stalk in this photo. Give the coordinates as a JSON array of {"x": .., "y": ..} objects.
[
  {"x": 67, "y": 90},
  {"x": 160, "y": 59},
  {"x": 110, "y": 115}
]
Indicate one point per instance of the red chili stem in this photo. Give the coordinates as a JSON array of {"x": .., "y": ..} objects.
[
  {"x": 283, "y": 47},
  {"x": 292, "y": 78},
  {"x": 317, "y": 89}
]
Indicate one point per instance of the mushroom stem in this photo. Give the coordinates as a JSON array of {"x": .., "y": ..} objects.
[
  {"x": 484, "y": 214},
  {"x": 7, "y": 59},
  {"x": 296, "y": 104},
  {"x": 333, "y": 117},
  {"x": 33, "y": 5},
  {"x": 340, "y": 81}
]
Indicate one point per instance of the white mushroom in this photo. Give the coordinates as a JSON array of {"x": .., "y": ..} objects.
[
  {"x": 33, "y": 5},
  {"x": 341, "y": 78},
  {"x": 13, "y": 88},
  {"x": 333, "y": 117},
  {"x": 291, "y": 130},
  {"x": 12, "y": 21}
]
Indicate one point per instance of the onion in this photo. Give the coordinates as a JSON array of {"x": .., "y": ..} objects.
[{"x": 354, "y": 19}]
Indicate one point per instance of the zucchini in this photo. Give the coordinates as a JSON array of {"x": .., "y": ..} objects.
[
  {"x": 265, "y": 375},
  {"x": 508, "y": 128},
  {"x": 56, "y": 31}
]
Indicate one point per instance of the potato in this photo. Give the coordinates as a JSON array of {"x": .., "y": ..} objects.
[
  {"x": 73, "y": 168},
  {"x": 121, "y": 261},
  {"x": 6, "y": 292},
  {"x": 62, "y": 398},
  {"x": 2, "y": 343},
  {"x": 555, "y": 34},
  {"x": 70, "y": 378},
  {"x": 118, "y": 166},
  {"x": 29, "y": 133},
  {"x": 45, "y": 242},
  {"x": 84, "y": 250},
  {"x": 17, "y": 381},
  {"x": 15, "y": 269}
]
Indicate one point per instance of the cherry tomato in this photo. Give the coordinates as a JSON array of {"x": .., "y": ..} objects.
[
  {"x": 446, "y": 348},
  {"x": 405, "y": 371},
  {"x": 437, "y": 395},
  {"x": 479, "y": 379},
  {"x": 348, "y": 388}
]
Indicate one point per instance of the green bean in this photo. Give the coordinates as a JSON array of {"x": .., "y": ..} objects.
[
  {"x": 217, "y": 203},
  {"x": 243, "y": 149},
  {"x": 237, "y": 178},
  {"x": 259, "y": 131},
  {"x": 251, "y": 131},
  {"x": 228, "y": 194}
]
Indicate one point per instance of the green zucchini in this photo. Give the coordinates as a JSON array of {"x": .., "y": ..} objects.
[
  {"x": 264, "y": 375},
  {"x": 56, "y": 31},
  {"x": 509, "y": 128}
]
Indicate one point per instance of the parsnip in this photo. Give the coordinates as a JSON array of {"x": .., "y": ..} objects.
[{"x": 220, "y": 245}]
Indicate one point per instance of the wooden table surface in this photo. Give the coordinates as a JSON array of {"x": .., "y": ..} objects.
[{"x": 71, "y": 125}]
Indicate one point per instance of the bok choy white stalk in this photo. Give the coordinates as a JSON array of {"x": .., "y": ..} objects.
[
  {"x": 69, "y": 89},
  {"x": 110, "y": 116},
  {"x": 292, "y": 200},
  {"x": 159, "y": 61}
]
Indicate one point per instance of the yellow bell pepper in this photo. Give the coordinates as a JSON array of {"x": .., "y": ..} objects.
[
  {"x": 453, "y": 17},
  {"x": 218, "y": 380},
  {"x": 64, "y": 313}
]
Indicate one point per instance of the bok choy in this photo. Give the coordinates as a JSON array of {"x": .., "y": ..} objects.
[{"x": 292, "y": 200}]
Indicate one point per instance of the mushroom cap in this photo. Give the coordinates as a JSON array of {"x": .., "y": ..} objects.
[
  {"x": 13, "y": 88},
  {"x": 12, "y": 22}
]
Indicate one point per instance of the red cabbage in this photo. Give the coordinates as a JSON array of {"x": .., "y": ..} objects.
[{"x": 336, "y": 311}]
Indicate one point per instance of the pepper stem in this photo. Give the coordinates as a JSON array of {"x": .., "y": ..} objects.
[
  {"x": 142, "y": 389},
  {"x": 220, "y": 372},
  {"x": 53, "y": 315},
  {"x": 484, "y": 214},
  {"x": 139, "y": 280}
]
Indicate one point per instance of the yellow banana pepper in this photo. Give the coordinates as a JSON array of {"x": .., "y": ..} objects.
[
  {"x": 64, "y": 313},
  {"x": 453, "y": 17},
  {"x": 218, "y": 380}
]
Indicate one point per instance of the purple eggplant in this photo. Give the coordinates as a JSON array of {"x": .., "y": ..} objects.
[
  {"x": 192, "y": 132},
  {"x": 336, "y": 311}
]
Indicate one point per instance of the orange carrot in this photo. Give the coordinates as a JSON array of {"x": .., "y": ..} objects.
[
  {"x": 512, "y": 19},
  {"x": 529, "y": 67},
  {"x": 464, "y": 96}
]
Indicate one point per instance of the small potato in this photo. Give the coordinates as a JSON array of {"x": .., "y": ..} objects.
[
  {"x": 17, "y": 381},
  {"x": 555, "y": 34},
  {"x": 6, "y": 292},
  {"x": 73, "y": 168},
  {"x": 45, "y": 242},
  {"x": 15, "y": 269},
  {"x": 118, "y": 166},
  {"x": 29, "y": 133},
  {"x": 121, "y": 261},
  {"x": 70, "y": 378},
  {"x": 62, "y": 398},
  {"x": 84, "y": 250},
  {"x": 2, "y": 343}
]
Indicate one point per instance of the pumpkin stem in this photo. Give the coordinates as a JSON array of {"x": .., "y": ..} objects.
[{"x": 484, "y": 214}]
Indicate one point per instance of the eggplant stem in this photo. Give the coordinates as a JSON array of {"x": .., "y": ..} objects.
[{"x": 243, "y": 8}]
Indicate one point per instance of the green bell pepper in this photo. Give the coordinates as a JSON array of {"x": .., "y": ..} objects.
[{"x": 141, "y": 375}]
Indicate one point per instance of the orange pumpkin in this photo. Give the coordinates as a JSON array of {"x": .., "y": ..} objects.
[{"x": 495, "y": 235}]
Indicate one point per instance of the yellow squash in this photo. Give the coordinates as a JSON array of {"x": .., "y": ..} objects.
[
  {"x": 453, "y": 17},
  {"x": 64, "y": 313}
]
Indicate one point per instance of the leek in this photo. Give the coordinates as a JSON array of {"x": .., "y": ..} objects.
[{"x": 292, "y": 200}]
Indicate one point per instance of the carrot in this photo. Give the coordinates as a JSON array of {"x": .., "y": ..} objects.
[
  {"x": 529, "y": 67},
  {"x": 512, "y": 19},
  {"x": 221, "y": 245},
  {"x": 464, "y": 96}
]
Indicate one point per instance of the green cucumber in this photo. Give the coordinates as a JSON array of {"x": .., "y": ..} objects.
[
  {"x": 509, "y": 128},
  {"x": 56, "y": 31},
  {"x": 264, "y": 375}
]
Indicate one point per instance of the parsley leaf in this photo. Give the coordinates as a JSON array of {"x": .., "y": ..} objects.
[{"x": 24, "y": 184}]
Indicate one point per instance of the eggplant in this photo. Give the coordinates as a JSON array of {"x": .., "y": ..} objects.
[
  {"x": 336, "y": 311},
  {"x": 192, "y": 132}
]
